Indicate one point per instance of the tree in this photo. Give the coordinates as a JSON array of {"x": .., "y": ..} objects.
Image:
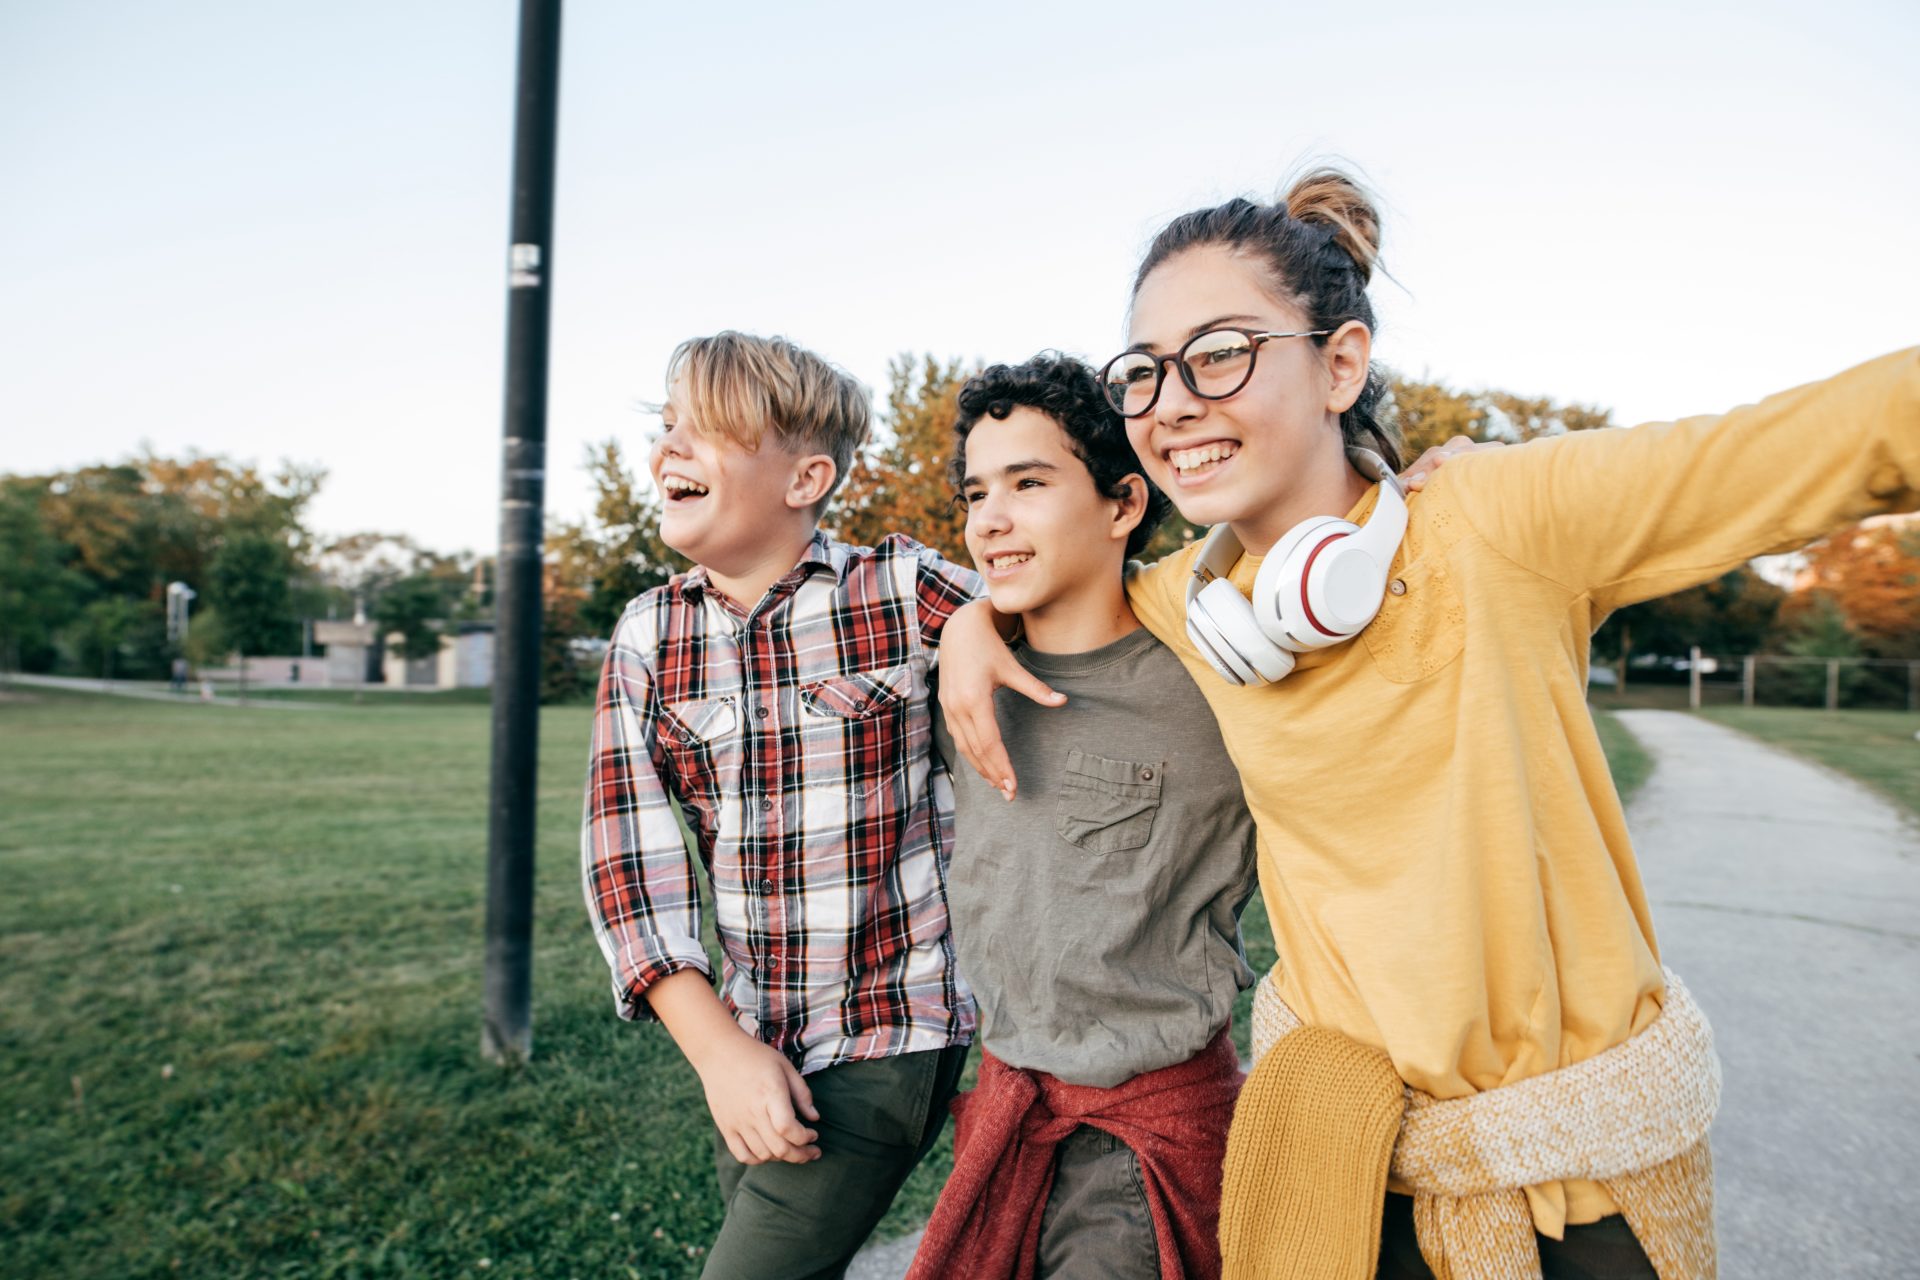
[
  {"x": 38, "y": 593},
  {"x": 413, "y": 607},
  {"x": 1816, "y": 628},
  {"x": 604, "y": 561},
  {"x": 125, "y": 530},
  {"x": 1871, "y": 577},
  {"x": 594, "y": 567},
  {"x": 899, "y": 482},
  {"x": 105, "y": 626},
  {"x": 248, "y": 581},
  {"x": 1730, "y": 615},
  {"x": 1430, "y": 413}
]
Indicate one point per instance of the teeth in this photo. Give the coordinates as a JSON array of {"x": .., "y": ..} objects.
[
  {"x": 1007, "y": 562},
  {"x": 1191, "y": 459},
  {"x": 680, "y": 484}
]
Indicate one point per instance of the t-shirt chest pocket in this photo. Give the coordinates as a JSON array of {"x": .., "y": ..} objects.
[
  {"x": 1421, "y": 626},
  {"x": 1107, "y": 806}
]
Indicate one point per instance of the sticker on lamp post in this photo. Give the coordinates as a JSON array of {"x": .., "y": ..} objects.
[{"x": 523, "y": 266}]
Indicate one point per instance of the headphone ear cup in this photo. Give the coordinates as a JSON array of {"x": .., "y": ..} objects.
[
  {"x": 1211, "y": 647},
  {"x": 1221, "y": 624},
  {"x": 1279, "y": 591}
]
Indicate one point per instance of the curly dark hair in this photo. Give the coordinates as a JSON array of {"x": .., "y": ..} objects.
[{"x": 1065, "y": 390}]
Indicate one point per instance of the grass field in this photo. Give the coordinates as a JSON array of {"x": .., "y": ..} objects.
[
  {"x": 240, "y": 1000},
  {"x": 1876, "y": 747},
  {"x": 1625, "y": 756}
]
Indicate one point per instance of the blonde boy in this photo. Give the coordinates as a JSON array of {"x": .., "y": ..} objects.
[{"x": 778, "y": 694}]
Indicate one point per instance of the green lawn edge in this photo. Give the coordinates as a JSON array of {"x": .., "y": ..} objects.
[
  {"x": 240, "y": 1008},
  {"x": 1875, "y": 748}
]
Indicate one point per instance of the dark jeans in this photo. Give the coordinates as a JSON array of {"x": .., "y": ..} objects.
[
  {"x": 1603, "y": 1250},
  {"x": 878, "y": 1119},
  {"x": 1096, "y": 1225}
]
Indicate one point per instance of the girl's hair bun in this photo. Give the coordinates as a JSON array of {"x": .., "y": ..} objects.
[{"x": 1330, "y": 198}]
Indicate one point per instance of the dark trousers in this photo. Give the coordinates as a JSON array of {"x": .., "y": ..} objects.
[
  {"x": 1096, "y": 1225},
  {"x": 878, "y": 1119},
  {"x": 1603, "y": 1250}
]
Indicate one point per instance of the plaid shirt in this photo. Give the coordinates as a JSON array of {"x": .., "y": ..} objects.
[{"x": 796, "y": 738}]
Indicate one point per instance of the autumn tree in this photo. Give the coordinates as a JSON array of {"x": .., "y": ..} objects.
[
  {"x": 123, "y": 531},
  {"x": 1870, "y": 574},
  {"x": 898, "y": 484},
  {"x": 595, "y": 566},
  {"x": 602, "y": 562},
  {"x": 1430, "y": 413}
]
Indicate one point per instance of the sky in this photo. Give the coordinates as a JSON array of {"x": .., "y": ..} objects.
[{"x": 280, "y": 232}]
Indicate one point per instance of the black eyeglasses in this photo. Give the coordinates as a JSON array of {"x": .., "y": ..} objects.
[{"x": 1214, "y": 365}]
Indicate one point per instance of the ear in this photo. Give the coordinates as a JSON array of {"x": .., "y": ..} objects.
[
  {"x": 1347, "y": 354},
  {"x": 1129, "y": 510},
  {"x": 813, "y": 478}
]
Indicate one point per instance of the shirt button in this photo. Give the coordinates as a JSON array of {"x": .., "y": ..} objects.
[
  {"x": 766, "y": 886},
  {"x": 761, "y": 712},
  {"x": 766, "y": 805},
  {"x": 1146, "y": 775},
  {"x": 1398, "y": 587}
]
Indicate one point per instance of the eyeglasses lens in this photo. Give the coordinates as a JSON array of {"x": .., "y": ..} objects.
[
  {"x": 1214, "y": 364},
  {"x": 1130, "y": 381},
  {"x": 1218, "y": 363}
]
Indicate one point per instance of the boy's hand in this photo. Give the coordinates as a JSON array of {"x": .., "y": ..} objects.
[
  {"x": 1414, "y": 478},
  {"x": 974, "y": 661},
  {"x": 757, "y": 1098}
]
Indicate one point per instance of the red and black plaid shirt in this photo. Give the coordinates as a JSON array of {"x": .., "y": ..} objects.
[{"x": 796, "y": 738}]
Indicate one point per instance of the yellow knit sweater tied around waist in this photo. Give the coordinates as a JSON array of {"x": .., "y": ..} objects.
[{"x": 1323, "y": 1119}]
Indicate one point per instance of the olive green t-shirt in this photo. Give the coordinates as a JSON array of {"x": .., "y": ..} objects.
[{"x": 1097, "y": 916}]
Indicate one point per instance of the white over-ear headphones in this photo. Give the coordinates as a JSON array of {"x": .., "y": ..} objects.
[{"x": 1321, "y": 584}]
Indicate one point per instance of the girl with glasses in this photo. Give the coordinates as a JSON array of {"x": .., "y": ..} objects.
[{"x": 1469, "y": 1059}]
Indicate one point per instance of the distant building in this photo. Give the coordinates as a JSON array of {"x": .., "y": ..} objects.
[
  {"x": 465, "y": 660},
  {"x": 353, "y": 652}
]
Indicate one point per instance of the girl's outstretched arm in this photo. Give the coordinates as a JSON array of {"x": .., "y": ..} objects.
[{"x": 1624, "y": 515}]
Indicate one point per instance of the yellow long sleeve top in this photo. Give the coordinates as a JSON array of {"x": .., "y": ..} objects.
[{"x": 1441, "y": 849}]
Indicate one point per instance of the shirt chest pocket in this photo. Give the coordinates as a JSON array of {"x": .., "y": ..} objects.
[
  {"x": 1107, "y": 806},
  {"x": 859, "y": 696},
  {"x": 1421, "y": 626},
  {"x": 701, "y": 734},
  {"x": 852, "y": 727}
]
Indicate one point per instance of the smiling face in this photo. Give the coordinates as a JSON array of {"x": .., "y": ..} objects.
[
  {"x": 719, "y": 502},
  {"x": 1047, "y": 542},
  {"x": 1267, "y": 456}
]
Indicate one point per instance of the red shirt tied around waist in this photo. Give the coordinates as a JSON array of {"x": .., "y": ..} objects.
[{"x": 986, "y": 1225}]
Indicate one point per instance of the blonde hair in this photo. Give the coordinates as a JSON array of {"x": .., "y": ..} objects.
[{"x": 742, "y": 387}]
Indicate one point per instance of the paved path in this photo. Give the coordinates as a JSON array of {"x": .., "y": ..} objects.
[
  {"x": 154, "y": 691},
  {"x": 1788, "y": 897}
]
